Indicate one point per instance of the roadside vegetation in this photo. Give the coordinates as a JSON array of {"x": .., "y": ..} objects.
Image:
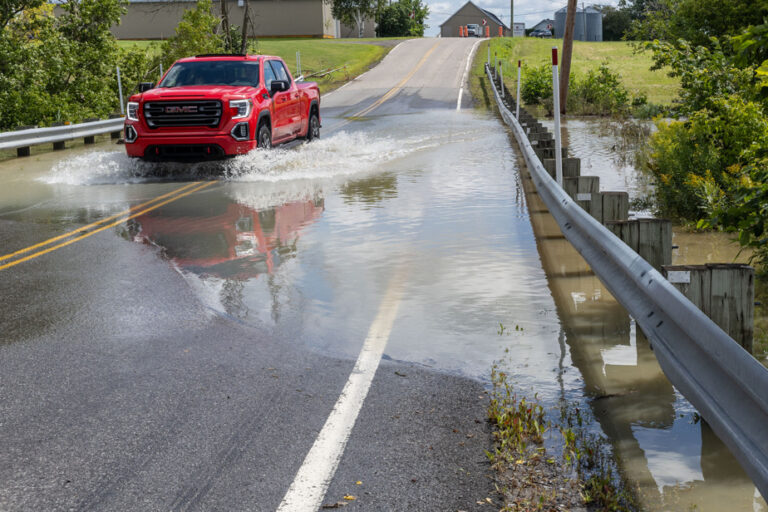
[
  {"x": 529, "y": 477},
  {"x": 710, "y": 162},
  {"x": 631, "y": 69}
]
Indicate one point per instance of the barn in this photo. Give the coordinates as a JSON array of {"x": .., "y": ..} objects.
[
  {"x": 469, "y": 14},
  {"x": 157, "y": 19}
]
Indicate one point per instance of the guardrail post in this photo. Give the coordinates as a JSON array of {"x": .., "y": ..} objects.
[
  {"x": 543, "y": 153},
  {"x": 501, "y": 79},
  {"x": 60, "y": 145},
  {"x": 91, "y": 139},
  {"x": 26, "y": 150},
  {"x": 615, "y": 206},
  {"x": 650, "y": 238},
  {"x": 582, "y": 189},
  {"x": 115, "y": 135},
  {"x": 556, "y": 107},
  {"x": 571, "y": 167},
  {"x": 723, "y": 292}
]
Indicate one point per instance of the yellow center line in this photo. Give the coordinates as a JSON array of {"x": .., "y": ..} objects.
[
  {"x": 98, "y": 222},
  {"x": 112, "y": 224},
  {"x": 399, "y": 86},
  {"x": 390, "y": 93}
]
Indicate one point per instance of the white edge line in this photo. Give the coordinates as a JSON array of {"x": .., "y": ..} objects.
[
  {"x": 308, "y": 489},
  {"x": 466, "y": 73}
]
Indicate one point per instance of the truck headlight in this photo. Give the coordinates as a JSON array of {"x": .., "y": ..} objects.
[
  {"x": 240, "y": 108},
  {"x": 132, "y": 111}
]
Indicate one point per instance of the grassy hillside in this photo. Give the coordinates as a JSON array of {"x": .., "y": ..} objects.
[
  {"x": 634, "y": 68},
  {"x": 355, "y": 56}
]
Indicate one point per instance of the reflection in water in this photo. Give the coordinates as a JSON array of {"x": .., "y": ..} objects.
[
  {"x": 227, "y": 243},
  {"x": 661, "y": 443},
  {"x": 370, "y": 190}
]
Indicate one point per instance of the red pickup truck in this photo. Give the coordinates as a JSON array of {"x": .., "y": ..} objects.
[{"x": 214, "y": 106}]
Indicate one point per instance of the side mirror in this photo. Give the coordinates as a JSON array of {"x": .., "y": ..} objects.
[
  {"x": 145, "y": 86},
  {"x": 279, "y": 86}
]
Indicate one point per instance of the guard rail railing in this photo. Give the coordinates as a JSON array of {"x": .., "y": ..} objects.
[
  {"x": 56, "y": 134},
  {"x": 724, "y": 382}
]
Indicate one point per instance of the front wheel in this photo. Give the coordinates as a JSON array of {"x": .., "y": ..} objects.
[
  {"x": 264, "y": 136},
  {"x": 313, "y": 131}
]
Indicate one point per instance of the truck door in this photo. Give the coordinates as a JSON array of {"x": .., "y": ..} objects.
[
  {"x": 280, "y": 105},
  {"x": 293, "y": 124}
]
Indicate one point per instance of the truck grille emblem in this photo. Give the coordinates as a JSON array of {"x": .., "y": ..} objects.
[{"x": 189, "y": 109}]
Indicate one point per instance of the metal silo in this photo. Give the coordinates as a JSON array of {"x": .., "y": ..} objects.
[
  {"x": 588, "y": 26},
  {"x": 594, "y": 24}
]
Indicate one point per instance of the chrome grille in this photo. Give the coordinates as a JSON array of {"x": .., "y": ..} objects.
[{"x": 160, "y": 114}]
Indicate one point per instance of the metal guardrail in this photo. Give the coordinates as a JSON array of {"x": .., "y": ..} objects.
[
  {"x": 33, "y": 136},
  {"x": 726, "y": 384}
]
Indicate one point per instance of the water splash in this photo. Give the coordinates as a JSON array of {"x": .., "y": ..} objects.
[{"x": 340, "y": 155}]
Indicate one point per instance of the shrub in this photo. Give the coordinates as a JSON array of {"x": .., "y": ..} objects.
[
  {"x": 537, "y": 84},
  {"x": 697, "y": 162},
  {"x": 599, "y": 92}
]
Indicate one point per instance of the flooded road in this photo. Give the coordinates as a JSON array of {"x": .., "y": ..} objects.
[{"x": 187, "y": 358}]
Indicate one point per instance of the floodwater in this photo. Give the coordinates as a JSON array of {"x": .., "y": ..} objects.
[{"x": 302, "y": 241}]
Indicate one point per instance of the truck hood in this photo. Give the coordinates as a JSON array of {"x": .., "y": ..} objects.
[{"x": 212, "y": 92}]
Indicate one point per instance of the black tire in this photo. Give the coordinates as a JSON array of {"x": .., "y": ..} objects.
[
  {"x": 313, "y": 130},
  {"x": 264, "y": 136}
]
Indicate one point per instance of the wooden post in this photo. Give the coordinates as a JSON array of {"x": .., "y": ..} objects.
[
  {"x": 581, "y": 189},
  {"x": 723, "y": 292},
  {"x": 615, "y": 206},
  {"x": 650, "y": 238},
  {"x": 571, "y": 167},
  {"x": 549, "y": 152},
  {"x": 25, "y": 151},
  {"x": 655, "y": 241},
  {"x": 116, "y": 135},
  {"x": 91, "y": 139}
]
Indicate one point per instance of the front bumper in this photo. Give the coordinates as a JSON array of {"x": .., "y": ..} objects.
[{"x": 186, "y": 147}]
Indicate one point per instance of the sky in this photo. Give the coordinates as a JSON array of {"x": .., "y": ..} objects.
[{"x": 529, "y": 12}]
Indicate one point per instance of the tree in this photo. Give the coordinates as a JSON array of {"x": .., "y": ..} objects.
[
  {"x": 616, "y": 22},
  {"x": 9, "y": 9},
  {"x": 195, "y": 34},
  {"x": 696, "y": 21},
  {"x": 402, "y": 19},
  {"x": 353, "y": 12}
]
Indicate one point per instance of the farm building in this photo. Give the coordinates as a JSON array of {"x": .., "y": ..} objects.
[
  {"x": 470, "y": 14},
  {"x": 157, "y": 19}
]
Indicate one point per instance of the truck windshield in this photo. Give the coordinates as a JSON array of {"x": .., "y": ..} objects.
[{"x": 212, "y": 72}]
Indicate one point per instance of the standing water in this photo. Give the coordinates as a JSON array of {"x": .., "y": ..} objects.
[{"x": 301, "y": 243}]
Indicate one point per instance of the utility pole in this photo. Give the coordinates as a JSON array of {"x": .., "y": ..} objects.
[
  {"x": 512, "y": 16},
  {"x": 565, "y": 74}
]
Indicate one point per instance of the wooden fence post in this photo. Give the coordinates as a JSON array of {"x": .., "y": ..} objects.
[{"x": 723, "y": 292}]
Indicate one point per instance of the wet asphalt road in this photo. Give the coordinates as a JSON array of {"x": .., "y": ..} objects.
[{"x": 122, "y": 389}]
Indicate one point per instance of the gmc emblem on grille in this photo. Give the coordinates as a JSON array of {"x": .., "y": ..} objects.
[{"x": 190, "y": 109}]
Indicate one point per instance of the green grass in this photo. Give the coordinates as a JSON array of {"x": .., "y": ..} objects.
[
  {"x": 634, "y": 68},
  {"x": 317, "y": 55}
]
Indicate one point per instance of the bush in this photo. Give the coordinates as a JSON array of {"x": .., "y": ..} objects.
[
  {"x": 697, "y": 162},
  {"x": 537, "y": 84},
  {"x": 600, "y": 92}
]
